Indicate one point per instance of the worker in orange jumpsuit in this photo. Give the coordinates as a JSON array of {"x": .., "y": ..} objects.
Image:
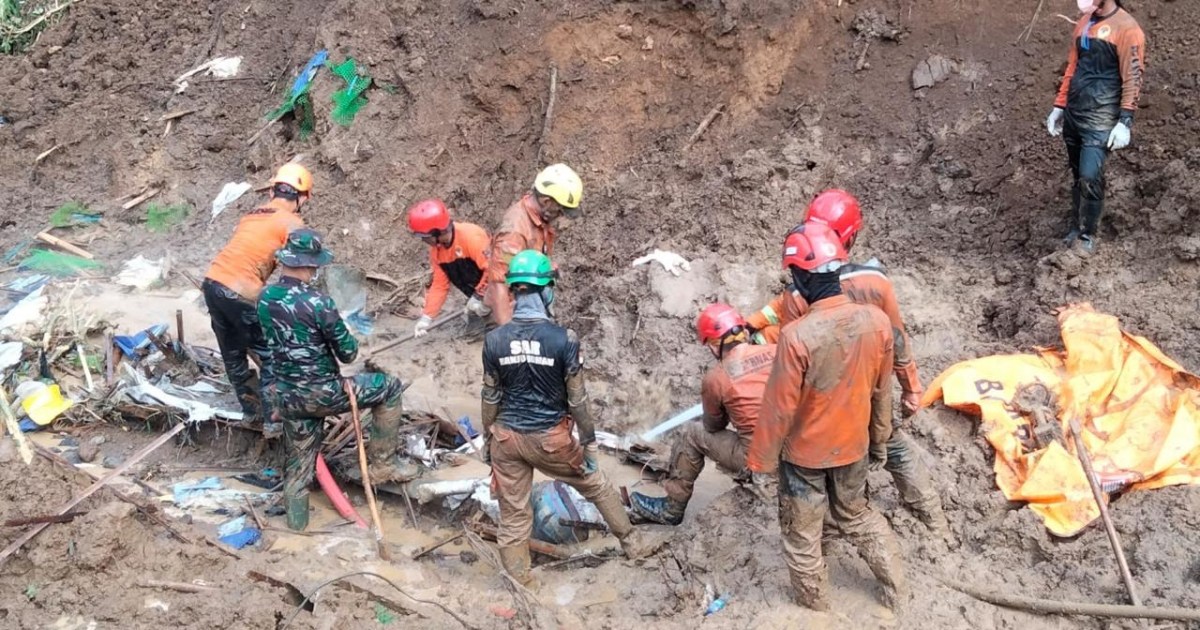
[
  {"x": 529, "y": 224},
  {"x": 826, "y": 419},
  {"x": 1095, "y": 105},
  {"x": 458, "y": 254},
  {"x": 867, "y": 284},
  {"x": 731, "y": 393},
  {"x": 239, "y": 273}
]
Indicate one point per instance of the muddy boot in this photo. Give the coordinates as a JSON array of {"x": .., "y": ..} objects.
[
  {"x": 396, "y": 469},
  {"x": 297, "y": 511},
  {"x": 935, "y": 519},
  {"x": 882, "y": 555},
  {"x": 633, "y": 543},
  {"x": 1087, "y": 243},
  {"x": 660, "y": 510},
  {"x": 516, "y": 562},
  {"x": 385, "y": 433},
  {"x": 811, "y": 591}
]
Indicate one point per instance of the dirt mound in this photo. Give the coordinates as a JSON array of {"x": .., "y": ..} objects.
[{"x": 965, "y": 196}]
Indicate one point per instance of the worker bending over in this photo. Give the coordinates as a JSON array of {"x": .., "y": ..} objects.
[
  {"x": 731, "y": 393},
  {"x": 529, "y": 224},
  {"x": 533, "y": 396},
  {"x": 458, "y": 255},
  {"x": 826, "y": 417}
]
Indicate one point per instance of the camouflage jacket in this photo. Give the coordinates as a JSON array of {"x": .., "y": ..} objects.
[{"x": 305, "y": 335}]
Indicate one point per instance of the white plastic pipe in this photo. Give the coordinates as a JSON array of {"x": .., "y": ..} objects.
[{"x": 679, "y": 419}]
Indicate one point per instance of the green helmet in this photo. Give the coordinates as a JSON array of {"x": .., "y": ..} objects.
[{"x": 530, "y": 267}]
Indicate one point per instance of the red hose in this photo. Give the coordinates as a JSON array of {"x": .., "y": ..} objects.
[{"x": 340, "y": 502}]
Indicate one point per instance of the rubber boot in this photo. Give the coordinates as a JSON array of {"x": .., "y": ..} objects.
[
  {"x": 883, "y": 557},
  {"x": 633, "y": 543},
  {"x": 1073, "y": 227},
  {"x": 932, "y": 515},
  {"x": 297, "y": 511},
  {"x": 1090, "y": 211},
  {"x": 385, "y": 432},
  {"x": 516, "y": 562},
  {"x": 660, "y": 510},
  {"x": 811, "y": 591}
]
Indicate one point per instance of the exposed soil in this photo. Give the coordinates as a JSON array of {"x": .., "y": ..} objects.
[{"x": 964, "y": 193}]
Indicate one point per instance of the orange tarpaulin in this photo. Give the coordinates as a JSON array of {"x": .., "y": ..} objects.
[{"x": 1139, "y": 411}]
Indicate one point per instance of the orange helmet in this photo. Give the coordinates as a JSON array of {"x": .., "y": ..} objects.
[
  {"x": 294, "y": 175},
  {"x": 839, "y": 210},
  {"x": 428, "y": 217},
  {"x": 718, "y": 320},
  {"x": 812, "y": 246}
]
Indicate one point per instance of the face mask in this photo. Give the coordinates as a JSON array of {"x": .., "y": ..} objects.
[
  {"x": 1085, "y": 6},
  {"x": 548, "y": 300}
]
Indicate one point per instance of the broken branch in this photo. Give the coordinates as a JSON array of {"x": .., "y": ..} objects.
[
  {"x": 549, "y": 120},
  {"x": 51, "y": 239},
  {"x": 700, "y": 129}
]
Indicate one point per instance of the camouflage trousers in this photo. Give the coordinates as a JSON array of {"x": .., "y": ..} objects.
[{"x": 304, "y": 411}]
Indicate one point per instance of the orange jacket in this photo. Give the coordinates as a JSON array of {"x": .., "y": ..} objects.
[
  {"x": 864, "y": 284},
  {"x": 732, "y": 391},
  {"x": 249, "y": 257},
  {"x": 463, "y": 264},
  {"x": 1104, "y": 80},
  {"x": 828, "y": 398},
  {"x": 521, "y": 228}
]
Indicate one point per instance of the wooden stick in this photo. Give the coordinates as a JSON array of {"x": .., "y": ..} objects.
[
  {"x": 444, "y": 319},
  {"x": 51, "y": 518},
  {"x": 14, "y": 429},
  {"x": 366, "y": 477},
  {"x": 1098, "y": 495},
  {"x": 254, "y": 513},
  {"x": 116, "y": 472},
  {"x": 177, "y": 114},
  {"x": 45, "y": 154},
  {"x": 437, "y": 545},
  {"x": 179, "y": 326},
  {"x": 549, "y": 120},
  {"x": 182, "y": 587},
  {"x": 109, "y": 364},
  {"x": 703, "y": 126},
  {"x": 222, "y": 547},
  {"x": 1049, "y": 606},
  {"x": 51, "y": 239},
  {"x": 260, "y": 132},
  {"x": 1028, "y": 32},
  {"x": 87, "y": 372},
  {"x": 139, "y": 199}
]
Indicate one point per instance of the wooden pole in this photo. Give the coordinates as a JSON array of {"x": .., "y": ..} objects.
[
  {"x": 437, "y": 323},
  {"x": 362, "y": 466}
]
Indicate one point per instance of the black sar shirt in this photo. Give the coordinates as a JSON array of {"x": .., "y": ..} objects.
[{"x": 530, "y": 361}]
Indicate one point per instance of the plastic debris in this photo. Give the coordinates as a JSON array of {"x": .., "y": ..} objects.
[
  {"x": 142, "y": 273},
  {"x": 670, "y": 261},
  {"x": 299, "y": 101},
  {"x": 230, "y": 193},
  {"x": 244, "y": 538},
  {"x": 716, "y": 606},
  {"x": 555, "y": 502},
  {"x": 146, "y": 393},
  {"x": 464, "y": 423},
  {"x": 348, "y": 101},
  {"x": 219, "y": 67},
  {"x": 10, "y": 354},
  {"x": 231, "y": 526},
  {"x": 58, "y": 264},
  {"x": 73, "y": 213},
  {"x": 132, "y": 345},
  {"x": 45, "y": 404},
  {"x": 27, "y": 311},
  {"x": 160, "y": 218},
  {"x": 185, "y": 491},
  {"x": 383, "y": 615}
]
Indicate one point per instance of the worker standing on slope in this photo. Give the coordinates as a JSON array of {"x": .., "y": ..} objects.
[
  {"x": 458, "y": 254},
  {"x": 826, "y": 418},
  {"x": 236, "y": 277},
  {"x": 1095, "y": 106},
  {"x": 731, "y": 393},
  {"x": 529, "y": 224},
  {"x": 307, "y": 339},
  {"x": 868, "y": 284},
  {"x": 533, "y": 394}
]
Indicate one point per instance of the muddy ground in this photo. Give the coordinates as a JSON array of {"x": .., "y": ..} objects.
[{"x": 964, "y": 194}]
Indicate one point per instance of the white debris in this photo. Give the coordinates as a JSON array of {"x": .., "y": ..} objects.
[
  {"x": 142, "y": 273},
  {"x": 10, "y": 354},
  {"x": 219, "y": 67},
  {"x": 230, "y": 193},
  {"x": 148, "y": 394},
  {"x": 670, "y": 261},
  {"x": 27, "y": 311}
]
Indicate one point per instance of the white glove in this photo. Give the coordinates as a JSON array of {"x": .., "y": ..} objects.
[
  {"x": 670, "y": 261},
  {"x": 1054, "y": 122},
  {"x": 1119, "y": 137},
  {"x": 476, "y": 306},
  {"x": 422, "y": 327}
]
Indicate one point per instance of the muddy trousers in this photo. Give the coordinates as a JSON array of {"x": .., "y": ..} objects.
[
  {"x": 235, "y": 324},
  {"x": 912, "y": 478},
  {"x": 726, "y": 448},
  {"x": 379, "y": 400},
  {"x": 557, "y": 454},
  {"x": 804, "y": 496},
  {"x": 1086, "y": 152}
]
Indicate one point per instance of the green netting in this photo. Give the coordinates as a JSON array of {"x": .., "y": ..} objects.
[
  {"x": 73, "y": 213},
  {"x": 348, "y": 101},
  {"x": 301, "y": 107},
  {"x": 57, "y": 263},
  {"x": 160, "y": 218}
]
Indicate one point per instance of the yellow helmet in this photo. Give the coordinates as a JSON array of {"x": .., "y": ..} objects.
[
  {"x": 560, "y": 183},
  {"x": 294, "y": 175}
]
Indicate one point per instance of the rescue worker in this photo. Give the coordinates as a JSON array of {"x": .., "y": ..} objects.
[
  {"x": 730, "y": 393},
  {"x": 533, "y": 395},
  {"x": 307, "y": 339},
  {"x": 826, "y": 419},
  {"x": 529, "y": 224},
  {"x": 868, "y": 284},
  {"x": 1095, "y": 106},
  {"x": 458, "y": 254},
  {"x": 238, "y": 274}
]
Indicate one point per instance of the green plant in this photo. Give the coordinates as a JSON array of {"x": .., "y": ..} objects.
[
  {"x": 160, "y": 218},
  {"x": 21, "y": 21}
]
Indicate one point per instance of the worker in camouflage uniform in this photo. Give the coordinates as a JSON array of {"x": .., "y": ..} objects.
[{"x": 307, "y": 338}]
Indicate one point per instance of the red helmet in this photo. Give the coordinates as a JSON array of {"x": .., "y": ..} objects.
[
  {"x": 428, "y": 217},
  {"x": 811, "y": 246},
  {"x": 718, "y": 320},
  {"x": 839, "y": 210}
]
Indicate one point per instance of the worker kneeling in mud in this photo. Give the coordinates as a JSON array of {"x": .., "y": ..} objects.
[
  {"x": 868, "y": 284},
  {"x": 731, "y": 393},
  {"x": 826, "y": 419},
  {"x": 533, "y": 393},
  {"x": 307, "y": 338},
  {"x": 458, "y": 254}
]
